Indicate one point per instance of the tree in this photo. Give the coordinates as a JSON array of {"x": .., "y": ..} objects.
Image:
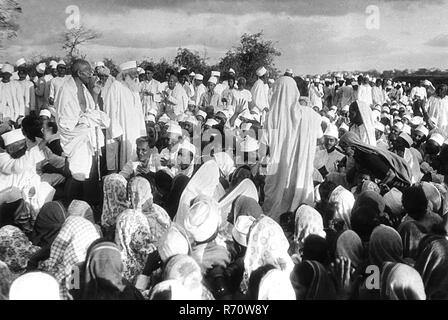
[
  {"x": 9, "y": 12},
  {"x": 190, "y": 60},
  {"x": 73, "y": 38},
  {"x": 252, "y": 53}
]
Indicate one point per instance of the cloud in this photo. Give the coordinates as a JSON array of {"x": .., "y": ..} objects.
[{"x": 439, "y": 41}]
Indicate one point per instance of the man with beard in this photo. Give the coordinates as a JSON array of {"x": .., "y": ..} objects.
[
  {"x": 326, "y": 160},
  {"x": 56, "y": 83},
  {"x": 123, "y": 105},
  {"x": 78, "y": 122}
]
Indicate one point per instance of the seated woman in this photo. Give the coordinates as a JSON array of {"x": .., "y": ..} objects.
[{"x": 384, "y": 165}]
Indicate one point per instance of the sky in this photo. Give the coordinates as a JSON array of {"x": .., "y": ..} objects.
[{"x": 314, "y": 36}]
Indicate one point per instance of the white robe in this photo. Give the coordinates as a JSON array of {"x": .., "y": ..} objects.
[
  {"x": 366, "y": 131},
  {"x": 11, "y": 105},
  {"x": 260, "y": 95},
  {"x": 438, "y": 109},
  {"x": 177, "y": 101},
  {"x": 316, "y": 94},
  {"x": 291, "y": 134},
  {"x": 77, "y": 128},
  {"x": 198, "y": 92},
  {"x": 26, "y": 92},
  {"x": 365, "y": 94},
  {"x": 124, "y": 109},
  {"x": 55, "y": 85}
]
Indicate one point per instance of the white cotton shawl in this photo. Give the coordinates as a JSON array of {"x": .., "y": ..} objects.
[{"x": 291, "y": 132}]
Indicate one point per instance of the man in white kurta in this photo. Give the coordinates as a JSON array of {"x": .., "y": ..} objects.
[
  {"x": 326, "y": 160},
  {"x": 316, "y": 94},
  {"x": 174, "y": 98},
  {"x": 26, "y": 91},
  {"x": 56, "y": 83},
  {"x": 365, "y": 92},
  {"x": 11, "y": 106},
  {"x": 79, "y": 121},
  {"x": 149, "y": 92},
  {"x": 291, "y": 132},
  {"x": 260, "y": 94},
  {"x": 199, "y": 89},
  {"x": 123, "y": 105}
]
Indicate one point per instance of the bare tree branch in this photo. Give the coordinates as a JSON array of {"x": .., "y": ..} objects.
[{"x": 72, "y": 39}]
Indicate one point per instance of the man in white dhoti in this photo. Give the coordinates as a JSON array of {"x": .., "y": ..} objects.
[
  {"x": 291, "y": 132},
  {"x": 50, "y": 74},
  {"x": 123, "y": 105},
  {"x": 26, "y": 88},
  {"x": 149, "y": 92},
  {"x": 11, "y": 106},
  {"x": 79, "y": 123},
  {"x": 56, "y": 83},
  {"x": 362, "y": 122},
  {"x": 174, "y": 98},
  {"x": 260, "y": 94}
]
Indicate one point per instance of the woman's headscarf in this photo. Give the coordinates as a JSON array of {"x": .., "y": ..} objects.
[
  {"x": 370, "y": 186},
  {"x": 307, "y": 221},
  {"x": 411, "y": 235},
  {"x": 314, "y": 277},
  {"x": 433, "y": 196},
  {"x": 396, "y": 163},
  {"x": 370, "y": 199},
  {"x": 15, "y": 248},
  {"x": 173, "y": 242},
  {"x": 140, "y": 196},
  {"x": 246, "y": 206},
  {"x": 343, "y": 201},
  {"x": 103, "y": 275},
  {"x": 170, "y": 290},
  {"x": 48, "y": 223},
  {"x": 349, "y": 245},
  {"x": 385, "y": 245},
  {"x": 81, "y": 209},
  {"x": 6, "y": 279},
  {"x": 172, "y": 201},
  {"x": 115, "y": 199},
  {"x": 70, "y": 246},
  {"x": 275, "y": 285},
  {"x": 186, "y": 270},
  {"x": 225, "y": 163},
  {"x": 267, "y": 244},
  {"x": 401, "y": 282},
  {"x": 35, "y": 286},
  {"x": 432, "y": 264},
  {"x": 135, "y": 241}
]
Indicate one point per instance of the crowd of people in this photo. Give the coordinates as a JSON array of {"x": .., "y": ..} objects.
[{"x": 201, "y": 187}]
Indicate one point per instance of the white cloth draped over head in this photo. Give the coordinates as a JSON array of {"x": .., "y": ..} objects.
[
  {"x": 246, "y": 188},
  {"x": 275, "y": 285},
  {"x": 35, "y": 286},
  {"x": 343, "y": 201},
  {"x": 204, "y": 182},
  {"x": 307, "y": 221},
  {"x": 291, "y": 132},
  {"x": 76, "y": 128},
  {"x": 367, "y": 129},
  {"x": 225, "y": 163},
  {"x": 267, "y": 244}
]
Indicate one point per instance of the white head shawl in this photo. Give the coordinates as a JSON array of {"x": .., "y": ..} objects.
[
  {"x": 204, "y": 182},
  {"x": 343, "y": 201},
  {"x": 307, "y": 221},
  {"x": 275, "y": 285}
]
